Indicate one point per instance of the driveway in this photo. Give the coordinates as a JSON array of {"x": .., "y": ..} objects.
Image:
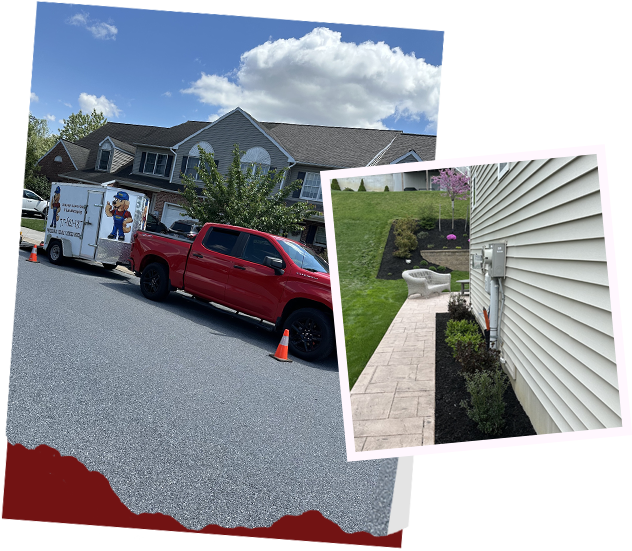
[{"x": 180, "y": 406}]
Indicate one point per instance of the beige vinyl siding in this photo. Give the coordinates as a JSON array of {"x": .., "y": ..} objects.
[
  {"x": 119, "y": 158},
  {"x": 233, "y": 129},
  {"x": 556, "y": 328}
]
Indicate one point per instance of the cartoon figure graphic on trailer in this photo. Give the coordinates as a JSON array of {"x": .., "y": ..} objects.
[
  {"x": 55, "y": 206},
  {"x": 122, "y": 217}
]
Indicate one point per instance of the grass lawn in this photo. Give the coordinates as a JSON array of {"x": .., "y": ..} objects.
[
  {"x": 38, "y": 224},
  {"x": 369, "y": 305}
]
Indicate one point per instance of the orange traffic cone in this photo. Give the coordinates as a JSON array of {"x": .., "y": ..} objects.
[
  {"x": 33, "y": 257},
  {"x": 281, "y": 351}
]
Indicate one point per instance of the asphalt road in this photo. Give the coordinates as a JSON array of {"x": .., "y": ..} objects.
[{"x": 180, "y": 407}]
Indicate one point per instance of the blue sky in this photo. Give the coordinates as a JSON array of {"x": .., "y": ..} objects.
[{"x": 163, "y": 68}]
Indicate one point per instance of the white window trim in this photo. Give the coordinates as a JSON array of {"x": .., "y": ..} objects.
[
  {"x": 319, "y": 197},
  {"x": 107, "y": 168},
  {"x": 154, "y": 173}
]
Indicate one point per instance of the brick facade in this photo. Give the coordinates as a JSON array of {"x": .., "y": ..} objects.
[
  {"x": 162, "y": 197},
  {"x": 51, "y": 168}
]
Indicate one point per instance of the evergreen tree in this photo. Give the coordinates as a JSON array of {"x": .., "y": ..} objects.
[
  {"x": 243, "y": 198},
  {"x": 17, "y": 152},
  {"x": 79, "y": 125}
]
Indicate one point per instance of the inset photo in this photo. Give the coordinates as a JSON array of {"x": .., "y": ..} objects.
[{"x": 474, "y": 301}]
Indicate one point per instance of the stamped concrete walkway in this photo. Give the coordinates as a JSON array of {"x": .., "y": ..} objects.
[{"x": 393, "y": 401}]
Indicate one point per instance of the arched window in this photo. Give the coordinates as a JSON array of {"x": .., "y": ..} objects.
[
  {"x": 58, "y": 159},
  {"x": 256, "y": 157},
  {"x": 191, "y": 161}
]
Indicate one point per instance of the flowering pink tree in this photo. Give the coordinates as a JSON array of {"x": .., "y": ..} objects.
[{"x": 455, "y": 184}]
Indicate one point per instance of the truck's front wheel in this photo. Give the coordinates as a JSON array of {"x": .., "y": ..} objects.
[
  {"x": 154, "y": 282},
  {"x": 311, "y": 334}
]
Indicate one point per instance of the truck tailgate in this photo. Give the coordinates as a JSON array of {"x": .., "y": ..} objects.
[{"x": 174, "y": 250}]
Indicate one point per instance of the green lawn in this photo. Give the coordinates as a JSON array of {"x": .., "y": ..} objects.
[
  {"x": 38, "y": 224},
  {"x": 369, "y": 305}
]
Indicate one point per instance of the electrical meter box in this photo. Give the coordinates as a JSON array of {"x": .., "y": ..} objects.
[{"x": 499, "y": 258}]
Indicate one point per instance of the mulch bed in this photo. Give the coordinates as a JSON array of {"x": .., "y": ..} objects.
[
  {"x": 451, "y": 421},
  {"x": 392, "y": 267}
]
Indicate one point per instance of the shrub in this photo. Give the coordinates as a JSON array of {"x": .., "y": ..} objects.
[
  {"x": 405, "y": 225},
  {"x": 406, "y": 243},
  {"x": 422, "y": 235},
  {"x": 441, "y": 269},
  {"x": 362, "y": 188},
  {"x": 424, "y": 263},
  {"x": 462, "y": 331},
  {"x": 335, "y": 185},
  {"x": 458, "y": 247},
  {"x": 432, "y": 268},
  {"x": 415, "y": 267},
  {"x": 347, "y": 189},
  {"x": 427, "y": 217},
  {"x": 476, "y": 357},
  {"x": 445, "y": 247},
  {"x": 450, "y": 237},
  {"x": 465, "y": 235},
  {"x": 487, "y": 406},
  {"x": 430, "y": 246},
  {"x": 458, "y": 309},
  {"x": 386, "y": 188}
]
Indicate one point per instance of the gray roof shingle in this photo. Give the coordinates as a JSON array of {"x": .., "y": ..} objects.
[
  {"x": 330, "y": 146},
  {"x": 78, "y": 154}
]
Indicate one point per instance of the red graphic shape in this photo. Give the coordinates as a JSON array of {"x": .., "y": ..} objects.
[{"x": 42, "y": 485}]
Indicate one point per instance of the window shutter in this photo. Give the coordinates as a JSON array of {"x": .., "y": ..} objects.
[
  {"x": 311, "y": 232},
  {"x": 297, "y": 192},
  {"x": 141, "y": 168},
  {"x": 168, "y": 167},
  {"x": 183, "y": 168}
]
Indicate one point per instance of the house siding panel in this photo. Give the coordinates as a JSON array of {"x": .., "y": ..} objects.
[
  {"x": 556, "y": 325},
  {"x": 119, "y": 158},
  {"x": 234, "y": 129}
]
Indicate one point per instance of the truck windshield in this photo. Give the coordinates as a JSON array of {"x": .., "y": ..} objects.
[{"x": 303, "y": 258}]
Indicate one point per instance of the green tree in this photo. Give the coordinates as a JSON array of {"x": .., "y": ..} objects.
[
  {"x": 17, "y": 153},
  {"x": 79, "y": 125},
  {"x": 243, "y": 198},
  {"x": 362, "y": 188},
  {"x": 41, "y": 137}
]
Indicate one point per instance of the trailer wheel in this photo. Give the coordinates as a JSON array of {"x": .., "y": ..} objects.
[
  {"x": 55, "y": 252},
  {"x": 311, "y": 334},
  {"x": 154, "y": 282}
]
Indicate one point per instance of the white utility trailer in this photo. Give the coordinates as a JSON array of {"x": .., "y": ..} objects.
[{"x": 93, "y": 223}]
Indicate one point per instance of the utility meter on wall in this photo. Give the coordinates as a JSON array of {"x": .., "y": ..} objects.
[{"x": 494, "y": 259}]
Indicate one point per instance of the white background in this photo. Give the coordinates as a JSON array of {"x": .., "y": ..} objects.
[{"x": 517, "y": 76}]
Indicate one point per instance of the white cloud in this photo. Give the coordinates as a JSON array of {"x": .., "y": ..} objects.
[
  {"x": 99, "y": 29},
  {"x": 168, "y": 94},
  {"x": 88, "y": 102},
  {"x": 319, "y": 79},
  {"x": 34, "y": 97},
  {"x": 66, "y": 104},
  {"x": 51, "y": 117}
]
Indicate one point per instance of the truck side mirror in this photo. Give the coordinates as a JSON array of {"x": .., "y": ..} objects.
[{"x": 275, "y": 263}]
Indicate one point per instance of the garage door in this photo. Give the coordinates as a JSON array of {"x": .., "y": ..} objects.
[{"x": 172, "y": 212}]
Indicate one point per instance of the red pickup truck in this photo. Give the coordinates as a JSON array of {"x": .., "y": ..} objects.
[{"x": 256, "y": 273}]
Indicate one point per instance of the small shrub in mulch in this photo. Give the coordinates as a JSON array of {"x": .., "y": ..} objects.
[
  {"x": 459, "y": 309},
  {"x": 462, "y": 331},
  {"x": 452, "y": 423},
  {"x": 486, "y": 406}
]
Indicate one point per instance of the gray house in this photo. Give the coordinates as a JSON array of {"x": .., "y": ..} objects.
[
  {"x": 552, "y": 308},
  {"x": 152, "y": 159}
]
